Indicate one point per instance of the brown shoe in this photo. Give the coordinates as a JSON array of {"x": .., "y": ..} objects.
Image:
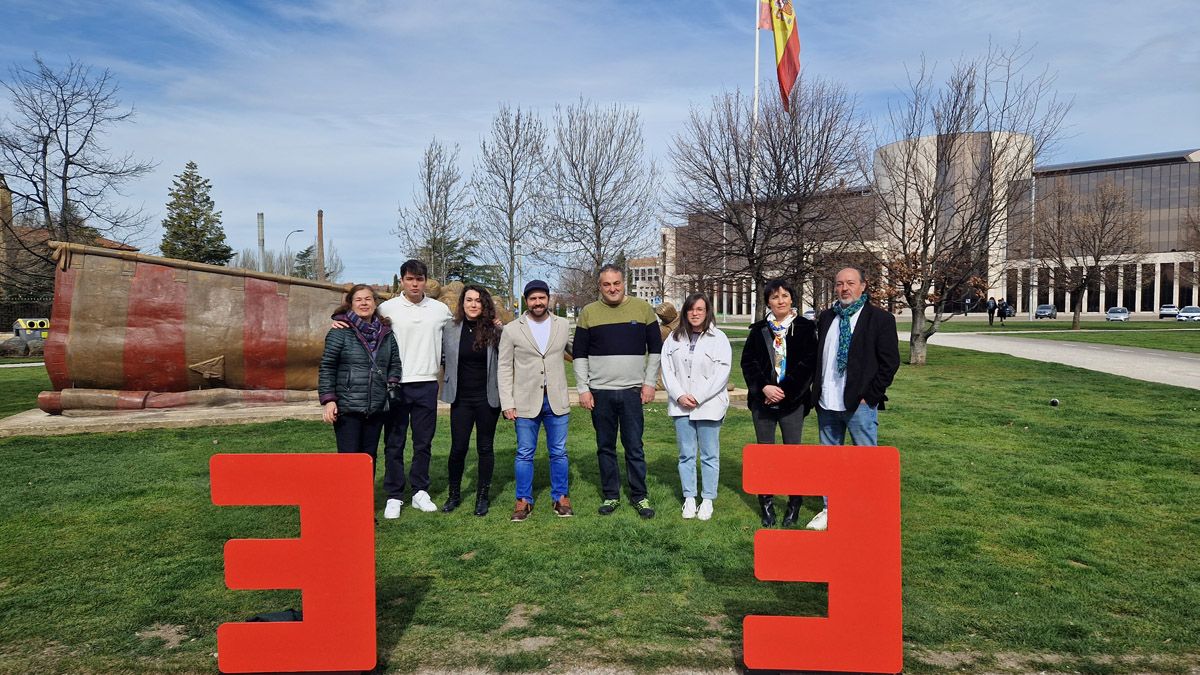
[
  {"x": 521, "y": 511},
  {"x": 563, "y": 507}
]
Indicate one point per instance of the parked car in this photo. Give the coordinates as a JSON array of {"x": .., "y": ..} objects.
[
  {"x": 1046, "y": 312},
  {"x": 1189, "y": 313},
  {"x": 1007, "y": 311},
  {"x": 1167, "y": 311},
  {"x": 1116, "y": 314},
  {"x": 810, "y": 314}
]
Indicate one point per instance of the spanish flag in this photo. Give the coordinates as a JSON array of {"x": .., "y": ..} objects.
[{"x": 782, "y": 22}]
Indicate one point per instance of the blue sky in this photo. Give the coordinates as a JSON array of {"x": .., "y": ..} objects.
[{"x": 288, "y": 107}]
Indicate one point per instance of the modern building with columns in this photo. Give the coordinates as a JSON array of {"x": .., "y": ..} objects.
[{"x": 1163, "y": 188}]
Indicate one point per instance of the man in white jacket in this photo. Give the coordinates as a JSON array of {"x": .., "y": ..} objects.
[{"x": 696, "y": 359}]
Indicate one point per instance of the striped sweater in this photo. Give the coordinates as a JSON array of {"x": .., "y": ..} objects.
[{"x": 616, "y": 347}]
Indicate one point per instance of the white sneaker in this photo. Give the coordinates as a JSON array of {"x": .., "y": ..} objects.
[
  {"x": 705, "y": 509},
  {"x": 392, "y": 510},
  {"x": 422, "y": 501},
  {"x": 689, "y": 508},
  {"x": 819, "y": 521}
]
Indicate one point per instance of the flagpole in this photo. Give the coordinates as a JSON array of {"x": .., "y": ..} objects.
[{"x": 754, "y": 166}]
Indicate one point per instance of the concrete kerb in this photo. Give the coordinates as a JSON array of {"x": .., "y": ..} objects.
[{"x": 38, "y": 423}]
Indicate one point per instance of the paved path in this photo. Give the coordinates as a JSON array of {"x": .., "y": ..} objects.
[{"x": 1181, "y": 369}]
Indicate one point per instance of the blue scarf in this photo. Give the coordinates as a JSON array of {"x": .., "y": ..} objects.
[{"x": 845, "y": 312}]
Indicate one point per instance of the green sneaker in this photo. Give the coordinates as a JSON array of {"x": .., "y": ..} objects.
[
  {"x": 643, "y": 508},
  {"x": 608, "y": 506}
]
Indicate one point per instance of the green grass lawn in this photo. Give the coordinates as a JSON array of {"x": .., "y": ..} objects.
[
  {"x": 1068, "y": 534},
  {"x": 1171, "y": 340},
  {"x": 21, "y": 387}
]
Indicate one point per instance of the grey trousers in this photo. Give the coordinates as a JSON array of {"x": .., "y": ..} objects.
[{"x": 766, "y": 419}]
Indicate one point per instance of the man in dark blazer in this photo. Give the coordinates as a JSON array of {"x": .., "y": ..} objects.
[{"x": 857, "y": 356}]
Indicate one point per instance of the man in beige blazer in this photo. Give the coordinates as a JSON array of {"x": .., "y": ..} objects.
[{"x": 533, "y": 393}]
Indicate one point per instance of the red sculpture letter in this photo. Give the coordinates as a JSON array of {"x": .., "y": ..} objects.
[
  {"x": 332, "y": 563},
  {"x": 858, "y": 556}
]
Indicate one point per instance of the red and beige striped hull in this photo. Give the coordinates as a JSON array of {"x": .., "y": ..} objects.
[{"x": 133, "y": 323}]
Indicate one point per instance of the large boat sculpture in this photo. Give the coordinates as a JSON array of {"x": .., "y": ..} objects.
[{"x": 133, "y": 331}]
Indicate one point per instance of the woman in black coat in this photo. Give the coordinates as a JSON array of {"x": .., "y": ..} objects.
[
  {"x": 778, "y": 362},
  {"x": 359, "y": 364}
]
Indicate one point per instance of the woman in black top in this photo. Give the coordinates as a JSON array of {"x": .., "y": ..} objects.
[
  {"x": 358, "y": 364},
  {"x": 778, "y": 363},
  {"x": 469, "y": 353}
]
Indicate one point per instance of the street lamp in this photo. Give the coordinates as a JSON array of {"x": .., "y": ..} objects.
[
  {"x": 285, "y": 239},
  {"x": 287, "y": 258}
]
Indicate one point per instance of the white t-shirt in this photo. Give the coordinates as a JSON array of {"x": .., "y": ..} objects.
[
  {"x": 418, "y": 328},
  {"x": 541, "y": 331},
  {"x": 833, "y": 383}
]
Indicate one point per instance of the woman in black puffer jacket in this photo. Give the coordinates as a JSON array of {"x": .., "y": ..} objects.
[{"x": 358, "y": 365}]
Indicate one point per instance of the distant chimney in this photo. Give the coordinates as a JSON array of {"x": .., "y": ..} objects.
[
  {"x": 5, "y": 221},
  {"x": 262, "y": 243},
  {"x": 320, "y": 245},
  {"x": 5, "y": 202}
]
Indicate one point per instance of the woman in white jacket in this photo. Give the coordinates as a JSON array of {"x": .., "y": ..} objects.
[{"x": 696, "y": 359}]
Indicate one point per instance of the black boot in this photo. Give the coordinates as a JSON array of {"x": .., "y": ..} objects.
[
  {"x": 453, "y": 500},
  {"x": 766, "y": 503},
  {"x": 481, "y": 500},
  {"x": 793, "y": 511}
]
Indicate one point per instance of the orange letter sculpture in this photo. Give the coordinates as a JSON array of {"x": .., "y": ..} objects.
[
  {"x": 332, "y": 563},
  {"x": 858, "y": 556}
]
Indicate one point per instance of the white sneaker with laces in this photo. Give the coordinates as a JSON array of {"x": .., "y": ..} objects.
[
  {"x": 819, "y": 521},
  {"x": 705, "y": 511},
  {"x": 689, "y": 508},
  {"x": 392, "y": 510},
  {"x": 422, "y": 501}
]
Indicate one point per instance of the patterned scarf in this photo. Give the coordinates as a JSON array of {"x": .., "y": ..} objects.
[
  {"x": 370, "y": 333},
  {"x": 779, "y": 330},
  {"x": 843, "y": 354}
]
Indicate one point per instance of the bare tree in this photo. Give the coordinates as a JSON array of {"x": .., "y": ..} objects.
[
  {"x": 602, "y": 198},
  {"x": 577, "y": 286},
  {"x": 1191, "y": 230},
  {"x": 433, "y": 226},
  {"x": 508, "y": 182},
  {"x": 304, "y": 263},
  {"x": 943, "y": 188},
  {"x": 61, "y": 175},
  {"x": 273, "y": 262},
  {"x": 1081, "y": 236},
  {"x": 768, "y": 202}
]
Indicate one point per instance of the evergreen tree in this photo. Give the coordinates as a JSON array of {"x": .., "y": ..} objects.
[
  {"x": 306, "y": 261},
  {"x": 304, "y": 264},
  {"x": 192, "y": 229}
]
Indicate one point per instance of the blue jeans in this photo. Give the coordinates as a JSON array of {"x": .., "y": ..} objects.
[
  {"x": 706, "y": 435},
  {"x": 556, "y": 443},
  {"x": 862, "y": 423}
]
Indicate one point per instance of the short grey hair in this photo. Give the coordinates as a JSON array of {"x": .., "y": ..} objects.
[{"x": 609, "y": 267}]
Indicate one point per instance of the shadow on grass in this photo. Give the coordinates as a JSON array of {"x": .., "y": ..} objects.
[
  {"x": 745, "y": 595},
  {"x": 397, "y": 599}
]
